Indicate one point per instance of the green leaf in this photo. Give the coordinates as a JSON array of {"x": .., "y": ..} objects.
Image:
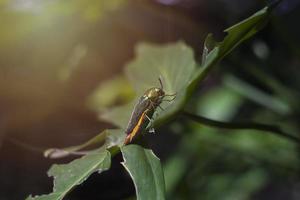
[
  {"x": 236, "y": 34},
  {"x": 118, "y": 115},
  {"x": 67, "y": 176},
  {"x": 110, "y": 92},
  {"x": 106, "y": 139},
  {"x": 209, "y": 44},
  {"x": 244, "y": 30},
  {"x": 175, "y": 63},
  {"x": 146, "y": 171}
]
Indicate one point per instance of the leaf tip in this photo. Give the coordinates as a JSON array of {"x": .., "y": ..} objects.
[{"x": 55, "y": 153}]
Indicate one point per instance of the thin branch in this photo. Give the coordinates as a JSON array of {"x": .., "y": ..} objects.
[{"x": 242, "y": 125}]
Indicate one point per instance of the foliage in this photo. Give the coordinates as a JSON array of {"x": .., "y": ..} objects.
[
  {"x": 69, "y": 175},
  {"x": 141, "y": 163},
  {"x": 181, "y": 74},
  {"x": 174, "y": 63}
]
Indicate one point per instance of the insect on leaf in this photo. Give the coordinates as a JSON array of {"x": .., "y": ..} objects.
[{"x": 174, "y": 63}]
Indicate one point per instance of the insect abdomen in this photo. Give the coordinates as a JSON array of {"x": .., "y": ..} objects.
[{"x": 135, "y": 128}]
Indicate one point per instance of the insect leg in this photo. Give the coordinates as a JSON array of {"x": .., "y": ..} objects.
[
  {"x": 150, "y": 120},
  {"x": 151, "y": 130},
  {"x": 168, "y": 100},
  {"x": 170, "y": 95},
  {"x": 161, "y": 107}
]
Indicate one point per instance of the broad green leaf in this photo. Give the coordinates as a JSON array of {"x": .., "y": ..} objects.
[
  {"x": 146, "y": 171},
  {"x": 118, "y": 115},
  {"x": 173, "y": 62},
  {"x": 67, "y": 176},
  {"x": 105, "y": 140},
  {"x": 110, "y": 92}
]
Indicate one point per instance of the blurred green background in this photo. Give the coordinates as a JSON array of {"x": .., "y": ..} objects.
[{"x": 61, "y": 63}]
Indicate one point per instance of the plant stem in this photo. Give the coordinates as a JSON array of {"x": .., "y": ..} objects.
[{"x": 241, "y": 125}]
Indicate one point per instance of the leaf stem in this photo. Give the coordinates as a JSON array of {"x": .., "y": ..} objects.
[{"x": 241, "y": 125}]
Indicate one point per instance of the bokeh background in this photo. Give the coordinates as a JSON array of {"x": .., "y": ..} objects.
[{"x": 55, "y": 57}]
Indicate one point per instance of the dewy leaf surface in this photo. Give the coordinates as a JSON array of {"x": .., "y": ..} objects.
[
  {"x": 146, "y": 171},
  {"x": 67, "y": 176}
]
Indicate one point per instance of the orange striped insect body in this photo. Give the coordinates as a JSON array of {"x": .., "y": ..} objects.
[{"x": 144, "y": 109}]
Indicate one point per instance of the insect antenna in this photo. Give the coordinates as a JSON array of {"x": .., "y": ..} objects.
[
  {"x": 166, "y": 95},
  {"x": 160, "y": 82}
]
